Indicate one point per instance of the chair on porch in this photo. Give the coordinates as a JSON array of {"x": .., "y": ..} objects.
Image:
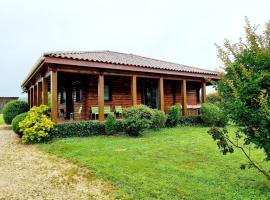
[
  {"x": 107, "y": 110},
  {"x": 94, "y": 111},
  {"x": 118, "y": 110}
]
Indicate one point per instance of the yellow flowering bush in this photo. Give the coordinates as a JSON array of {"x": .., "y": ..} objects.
[{"x": 36, "y": 127}]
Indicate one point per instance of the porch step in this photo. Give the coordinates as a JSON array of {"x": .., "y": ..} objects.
[{"x": 5, "y": 127}]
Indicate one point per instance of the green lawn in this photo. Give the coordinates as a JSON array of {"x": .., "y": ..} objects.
[
  {"x": 1, "y": 119},
  {"x": 176, "y": 163}
]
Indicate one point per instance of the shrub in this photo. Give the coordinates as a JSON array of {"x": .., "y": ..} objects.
[
  {"x": 136, "y": 119},
  {"x": 213, "y": 98},
  {"x": 110, "y": 124},
  {"x": 14, "y": 108},
  {"x": 16, "y": 121},
  {"x": 36, "y": 127},
  {"x": 191, "y": 120},
  {"x": 212, "y": 115},
  {"x": 173, "y": 115},
  {"x": 119, "y": 126},
  {"x": 158, "y": 119},
  {"x": 79, "y": 129}
]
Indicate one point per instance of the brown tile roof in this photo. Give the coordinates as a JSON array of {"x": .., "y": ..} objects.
[{"x": 126, "y": 59}]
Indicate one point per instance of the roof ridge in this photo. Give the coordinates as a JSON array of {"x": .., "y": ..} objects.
[{"x": 72, "y": 52}]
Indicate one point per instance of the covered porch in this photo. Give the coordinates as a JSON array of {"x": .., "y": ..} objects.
[{"x": 72, "y": 93}]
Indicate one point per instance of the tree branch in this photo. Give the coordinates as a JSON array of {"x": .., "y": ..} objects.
[{"x": 267, "y": 175}]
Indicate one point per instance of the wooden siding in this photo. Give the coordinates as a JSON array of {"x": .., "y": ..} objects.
[{"x": 121, "y": 94}]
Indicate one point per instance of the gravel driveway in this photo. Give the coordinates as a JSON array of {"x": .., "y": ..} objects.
[{"x": 27, "y": 173}]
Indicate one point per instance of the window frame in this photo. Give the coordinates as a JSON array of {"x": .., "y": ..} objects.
[
  {"x": 108, "y": 97},
  {"x": 80, "y": 92}
]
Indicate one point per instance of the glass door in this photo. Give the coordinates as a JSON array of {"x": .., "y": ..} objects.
[{"x": 150, "y": 93}]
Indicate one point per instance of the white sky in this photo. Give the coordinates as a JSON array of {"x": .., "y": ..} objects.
[{"x": 174, "y": 30}]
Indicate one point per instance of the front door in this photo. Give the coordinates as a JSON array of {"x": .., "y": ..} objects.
[{"x": 150, "y": 93}]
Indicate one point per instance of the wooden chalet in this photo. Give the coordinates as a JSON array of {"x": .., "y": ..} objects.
[{"x": 74, "y": 82}]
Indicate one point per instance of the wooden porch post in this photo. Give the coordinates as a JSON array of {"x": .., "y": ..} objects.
[
  {"x": 101, "y": 97},
  {"x": 161, "y": 93},
  {"x": 54, "y": 103},
  {"x": 134, "y": 89},
  {"x": 39, "y": 93},
  {"x": 184, "y": 96},
  {"x": 32, "y": 96},
  {"x": 29, "y": 97},
  {"x": 203, "y": 92},
  {"x": 35, "y": 95},
  {"x": 45, "y": 91}
]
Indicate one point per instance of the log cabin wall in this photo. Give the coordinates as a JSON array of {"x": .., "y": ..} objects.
[
  {"x": 193, "y": 96},
  {"x": 120, "y": 94}
]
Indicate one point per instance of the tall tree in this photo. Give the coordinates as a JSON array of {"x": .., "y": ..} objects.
[{"x": 244, "y": 88}]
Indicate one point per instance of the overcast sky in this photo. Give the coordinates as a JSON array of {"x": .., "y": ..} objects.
[{"x": 180, "y": 31}]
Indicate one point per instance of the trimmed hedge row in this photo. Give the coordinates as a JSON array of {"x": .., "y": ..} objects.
[
  {"x": 136, "y": 119},
  {"x": 78, "y": 129},
  {"x": 191, "y": 120}
]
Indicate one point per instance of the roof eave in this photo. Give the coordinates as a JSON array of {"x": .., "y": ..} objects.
[{"x": 33, "y": 71}]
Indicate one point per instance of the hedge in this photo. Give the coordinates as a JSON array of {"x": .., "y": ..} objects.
[
  {"x": 14, "y": 108},
  {"x": 16, "y": 121},
  {"x": 78, "y": 129},
  {"x": 191, "y": 120}
]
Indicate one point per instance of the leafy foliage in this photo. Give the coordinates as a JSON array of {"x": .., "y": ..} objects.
[
  {"x": 173, "y": 115},
  {"x": 136, "y": 119},
  {"x": 13, "y": 108},
  {"x": 119, "y": 126},
  {"x": 159, "y": 119},
  {"x": 36, "y": 127},
  {"x": 78, "y": 129},
  {"x": 16, "y": 121},
  {"x": 213, "y": 98},
  {"x": 212, "y": 115},
  {"x": 110, "y": 124},
  {"x": 191, "y": 120},
  {"x": 245, "y": 87}
]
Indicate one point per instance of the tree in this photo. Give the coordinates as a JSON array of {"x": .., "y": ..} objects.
[{"x": 244, "y": 88}]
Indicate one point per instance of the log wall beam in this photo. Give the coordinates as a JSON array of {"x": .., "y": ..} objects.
[
  {"x": 101, "y": 97},
  {"x": 54, "y": 102}
]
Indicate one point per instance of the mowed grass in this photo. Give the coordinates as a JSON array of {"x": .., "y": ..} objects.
[
  {"x": 1, "y": 119},
  {"x": 173, "y": 163}
]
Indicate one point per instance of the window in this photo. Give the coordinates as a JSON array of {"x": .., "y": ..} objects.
[
  {"x": 78, "y": 93},
  {"x": 107, "y": 92},
  {"x": 62, "y": 95}
]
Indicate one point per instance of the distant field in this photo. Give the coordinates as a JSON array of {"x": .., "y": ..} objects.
[{"x": 1, "y": 119}]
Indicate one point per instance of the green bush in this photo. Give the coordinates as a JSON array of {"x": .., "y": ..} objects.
[
  {"x": 159, "y": 119},
  {"x": 173, "y": 115},
  {"x": 191, "y": 120},
  {"x": 212, "y": 115},
  {"x": 16, "y": 121},
  {"x": 110, "y": 124},
  {"x": 137, "y": 119},
  {"x": 36, "y": 127},
  {"x": 14, "y": 108},
  {"x": 119, "y": 126},
  {"x": 79, "y": 129},
  {"x": 213, "y": 98}
]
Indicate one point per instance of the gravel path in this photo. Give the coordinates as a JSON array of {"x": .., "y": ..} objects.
[{"x": 27, "y": 173}]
